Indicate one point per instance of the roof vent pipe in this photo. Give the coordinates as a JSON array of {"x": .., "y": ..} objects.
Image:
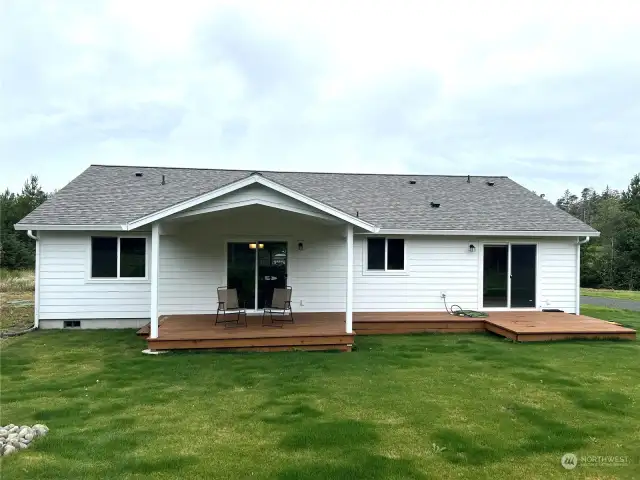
[
  {"x": 468, "y": 178},
  {"x": 163, "y": 181}
]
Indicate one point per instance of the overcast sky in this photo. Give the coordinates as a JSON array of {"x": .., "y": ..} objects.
[{"x": 546, "y": 92}]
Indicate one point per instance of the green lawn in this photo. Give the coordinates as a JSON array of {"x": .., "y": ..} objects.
[
  {"x": 419, "y": 406},
  {"x": 606, "y": 293}
]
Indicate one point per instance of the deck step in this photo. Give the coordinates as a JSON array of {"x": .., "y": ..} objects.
[{"x": 144, "y": 331}]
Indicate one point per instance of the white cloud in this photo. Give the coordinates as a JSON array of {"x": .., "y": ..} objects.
[{"x": 545, "y": 92}]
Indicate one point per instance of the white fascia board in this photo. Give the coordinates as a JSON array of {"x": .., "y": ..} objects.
[
  {"x": 74, "y": 228},
  {"x": 488, "y": 233},
  {"x": 193, "y": 202}
]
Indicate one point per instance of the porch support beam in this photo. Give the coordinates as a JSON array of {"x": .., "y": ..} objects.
[
  {"x": 349, "y": 306},
  {"x": 155, "y": 259}
]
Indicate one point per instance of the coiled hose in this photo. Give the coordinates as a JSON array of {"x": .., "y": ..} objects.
[{"x": 459, "y": 312}]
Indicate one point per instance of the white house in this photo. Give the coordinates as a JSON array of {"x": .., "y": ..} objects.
[{"x": 123, "y": 246}]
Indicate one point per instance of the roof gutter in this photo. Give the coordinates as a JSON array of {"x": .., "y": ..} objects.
[
  {"x": 31, "y": 226},
  {"x": 36, "y": 293},
  {"x": 484, "y": 233}
]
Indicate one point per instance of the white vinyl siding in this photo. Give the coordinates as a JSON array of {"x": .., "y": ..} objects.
[
  {"x": 67, "y": 294},
  {"x": 191, "y": 268},
  {"x": 432, "y": 266},
  {"x": 445, "y": 264},
  {"x": 193, "y": 259},
  {"x": 318, "y": 274},
  {"x": 557, "y": 274},
  {"x": 193, "y": 264}
]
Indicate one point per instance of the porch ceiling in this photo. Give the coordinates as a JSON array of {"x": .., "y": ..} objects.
[{"x": 253, "y": 215}]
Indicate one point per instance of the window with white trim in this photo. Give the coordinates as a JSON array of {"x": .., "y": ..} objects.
[
  {"x": 118, "y": 257},
  {"x": 385, "y": 254}
]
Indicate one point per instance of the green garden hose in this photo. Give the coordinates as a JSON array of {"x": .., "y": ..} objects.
[{"x": 459, "y": 312}]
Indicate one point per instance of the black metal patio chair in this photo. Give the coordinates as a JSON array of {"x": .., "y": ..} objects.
[
  {"x": 228, "y": 303},
  {"x": 280, "y": 307}
]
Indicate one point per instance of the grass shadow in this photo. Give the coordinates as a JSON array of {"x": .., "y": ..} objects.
[
  {"x": 462, "y": 449},
  {"x": 364, "y": 467},
  {"x": 614, "y": 403},
  {"x": 339, "y": 434}
]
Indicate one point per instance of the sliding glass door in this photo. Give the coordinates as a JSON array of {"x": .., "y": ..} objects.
[
  {"x": 272, "y": 270},
  {"x": 509, "y": 276},
  {"x": 255, "y": 269},
  {"x": 523, "y": 276},
  {"x": 495, "y": 276},
  {"x": 241, "y": 272}
]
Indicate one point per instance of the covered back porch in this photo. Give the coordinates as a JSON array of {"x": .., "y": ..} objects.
[{"x": 252, "y": 240}]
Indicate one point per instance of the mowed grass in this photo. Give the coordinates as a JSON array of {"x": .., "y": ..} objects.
[
  {"x": 606, "y": 293},
  {"x": 627, "y": 318},
  {"x": 400, "y": 407}
]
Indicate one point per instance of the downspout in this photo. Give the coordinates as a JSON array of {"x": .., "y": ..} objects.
[
  {"x": 36, "y": 306},
  {"x": 578, "y": 243}
]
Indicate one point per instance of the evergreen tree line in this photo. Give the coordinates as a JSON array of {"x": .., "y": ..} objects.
[
  {"x": 17, "y": 250},
  {"x": 613, "y": 259}
]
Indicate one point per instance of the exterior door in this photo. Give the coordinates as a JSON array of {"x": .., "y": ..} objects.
[
  {"x": 495, "y": 276},
  {"x": 254, "y": 269},
  {"x": 523, "y": 276},
  {"x": 272, "y": 270},
  {"x": 509, "y": 276},
  {"x": 241, "y": 272}
]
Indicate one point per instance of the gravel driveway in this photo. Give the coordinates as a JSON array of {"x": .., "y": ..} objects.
[{"x": 611, "y": 302}]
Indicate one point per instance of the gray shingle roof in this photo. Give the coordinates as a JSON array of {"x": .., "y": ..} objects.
[{"x": 113, "y": 195}]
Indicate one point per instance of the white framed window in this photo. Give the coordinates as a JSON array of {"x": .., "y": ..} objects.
[
  {"x": 385, "y": 254},
  {"x": 115, "y": 258}
]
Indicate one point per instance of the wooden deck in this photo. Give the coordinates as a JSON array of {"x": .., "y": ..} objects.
[
  {"x": 311, "y": 331},
  {"x": 545, "y": 326},
  {"x": 326, "y": 331},
  {"x": 519, "y": 326}
]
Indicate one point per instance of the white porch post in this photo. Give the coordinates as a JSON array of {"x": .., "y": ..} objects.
[
  {"x": 155, "y": 258},
  {"x": 349, "y": 309}
]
